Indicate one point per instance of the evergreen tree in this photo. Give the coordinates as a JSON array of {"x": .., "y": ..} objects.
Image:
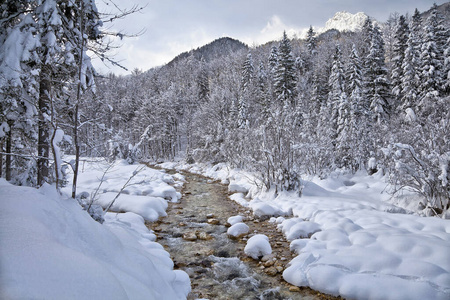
[
  {"x": 285, "y": 77},
  {"x": 366, "y": 38},
  {"x": 399, "y": 49},
  {"x": 311, "y": 42},
  {"x": 376, "y": 82},
  {"x": 19, "y": 63},
  {"x": 410, "y": 80},
  {"x": 359, "y": 110},
  {"x": 247, "y": 72},
  {"x": 203, "y": 84},
  {"x": 431, "y": 60},
  {"x": 447, "y": 67}
]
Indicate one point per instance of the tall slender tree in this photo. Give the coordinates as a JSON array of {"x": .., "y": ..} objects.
[
  {"x": 399, "y": 49},
  {"x": 285, "y": 75}
]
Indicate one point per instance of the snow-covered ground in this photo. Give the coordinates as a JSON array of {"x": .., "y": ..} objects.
[
  {"x": 351, "y": 241},
  {"x": 51, "y": 249}
]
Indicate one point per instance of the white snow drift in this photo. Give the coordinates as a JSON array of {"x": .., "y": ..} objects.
[{"x": 52, "y": 249}]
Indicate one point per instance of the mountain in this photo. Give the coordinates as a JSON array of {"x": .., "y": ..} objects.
[
  {"x": 344, "y": 21},
  {"x": 214, "y": 50},
  {"x": 443, "y": 9}
]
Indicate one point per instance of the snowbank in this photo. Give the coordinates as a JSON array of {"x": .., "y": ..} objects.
[
  {"x": 351, "y": 240},
  {"x": 52, "y": 249},
  {"x": 146, "y": 194}
]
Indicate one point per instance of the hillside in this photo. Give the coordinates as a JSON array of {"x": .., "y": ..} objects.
[{"x": 214, "y": 50}]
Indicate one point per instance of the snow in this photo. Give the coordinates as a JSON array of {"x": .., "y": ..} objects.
[
  {"x": 52, "y": 249},
  {"x": 350, "y": 238},
  {"x": 240, "y": 199},
  {"x": 235, "y": 219},
  {"x": 296, "y": 228},
  {"x": 146, "y": 194},
  {"x": 345, "y": 21},
  {"x": 258, "y": 246},
  {"x": 238, "y": 229}
]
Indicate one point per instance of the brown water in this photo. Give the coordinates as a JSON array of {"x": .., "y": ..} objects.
[{"x": 216, "y": 264}]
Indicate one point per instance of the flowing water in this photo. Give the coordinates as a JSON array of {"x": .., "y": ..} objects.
[{"x": 195, "y": 235}]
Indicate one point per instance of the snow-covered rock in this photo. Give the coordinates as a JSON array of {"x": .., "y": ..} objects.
[
  {"x": 235, "y": 219},
  {"x": 238, "y": 230},
  {"x": 258, "y": 246}
]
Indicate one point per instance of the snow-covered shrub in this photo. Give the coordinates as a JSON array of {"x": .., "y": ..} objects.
[
  {"x": 426, "y": 173},
  {"x": 94, "y": 210}
]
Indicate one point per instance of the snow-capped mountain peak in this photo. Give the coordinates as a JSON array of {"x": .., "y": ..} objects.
[{"x": 345, "y": 21}]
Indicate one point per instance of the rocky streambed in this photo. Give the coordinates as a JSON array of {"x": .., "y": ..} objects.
[{"x": 195, "y": 234}]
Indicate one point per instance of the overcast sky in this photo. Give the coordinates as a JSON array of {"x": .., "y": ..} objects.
[{"x": 174, "y": 26}]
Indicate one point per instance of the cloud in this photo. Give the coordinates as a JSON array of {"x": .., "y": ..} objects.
[{"x": 274, "y": 29}]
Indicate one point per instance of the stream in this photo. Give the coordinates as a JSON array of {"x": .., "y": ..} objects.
[{"x": 195, "y": 235}]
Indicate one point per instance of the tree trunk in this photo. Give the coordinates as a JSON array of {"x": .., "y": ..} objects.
[
  {"x": 1, "y": 158},
  {"x": 8, "y": 151},
  {"x": 77, "y": 106},
  {"x": 43, "y": 139}
]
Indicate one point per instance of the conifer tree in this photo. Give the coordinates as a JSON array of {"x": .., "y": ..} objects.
[
  {"x": 311, "y": 42},
  {"x": 376, "y": 81},
  {"x": 410, "y": 66},
  {"x": 337, "y": 91},
  {"x": 430, "y": 62},
  {"x": 400, "y": 45},
  {"x": 285, "y": 75}
]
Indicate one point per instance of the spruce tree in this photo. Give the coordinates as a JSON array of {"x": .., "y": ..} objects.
[
  {"x": 410, "y": 80},
  {"x": 431, "y": 60},
  {"x": 285, "y": 75},
  {"x": 400, "y": 45},
  {"x": 311, "y": 42},
  {"x": 376, "y": 81}
]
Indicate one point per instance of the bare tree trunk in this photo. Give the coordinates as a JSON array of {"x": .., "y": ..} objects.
[
  {"x": 8, "y": 151},
  {"x": 1, "y": 158},
  {"x": 77, "y": 105},
  {"x": 43, "y": 138}
]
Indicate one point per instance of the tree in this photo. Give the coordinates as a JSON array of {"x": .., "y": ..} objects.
[
  {"x": 377, "y": 84},
  {"x": 399, "y": 50},
  {"x": 431, "y": 61},
  {"x": 311, "y": 43},
  {"x": 336, "y": 94},
  {"x": 410, "y": 67},
  {"x": 18, "y": 89},
  {"x": 359, "y": 135},
  {"x": 285, "y": 78}
]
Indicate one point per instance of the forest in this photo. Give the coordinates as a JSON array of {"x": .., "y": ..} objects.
[{"x": 375, "y": 100}]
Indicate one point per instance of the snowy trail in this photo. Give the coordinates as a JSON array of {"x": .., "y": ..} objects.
[{"x": 217, "y": 264}]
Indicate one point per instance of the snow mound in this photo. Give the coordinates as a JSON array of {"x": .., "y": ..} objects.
[
  {"x": 151, "y": 208},
  {"x": 358, "y": 251},
  {"x": 239, "y": 198},
  {"x": 261, "y": 208},
  {"x": 258, "y": 246},
  {"x": 238, "y": 229},
  {"x": 146, "y": 194},
  {"x": 296, "y": 228},
  {"x": 52, "y": 249},
  {"x": 235, "y": 219}
]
